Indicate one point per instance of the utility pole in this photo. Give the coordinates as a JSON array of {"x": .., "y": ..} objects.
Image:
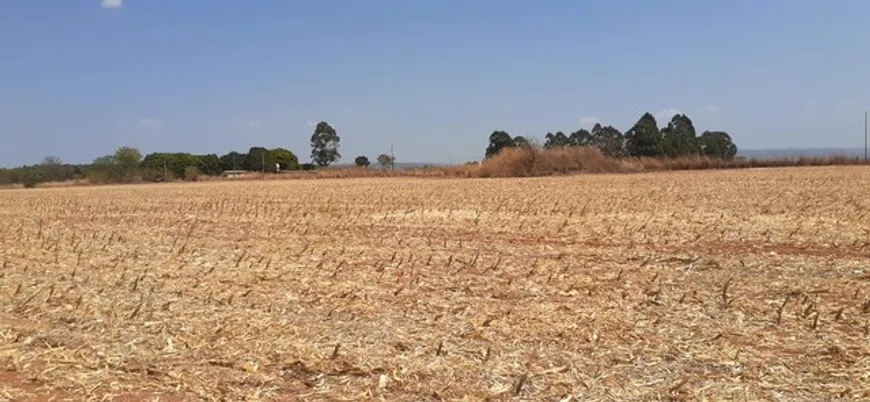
[
  {"x": 165, "y": 174},
  {"x": 865, "y": 135},
  {"x": 263, "y": 163},
  {"x": 392, "y": 158}
]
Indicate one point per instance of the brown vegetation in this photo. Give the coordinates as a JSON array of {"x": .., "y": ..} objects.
[
  {"x": 714, "y": 285},
  {"x": 535, "y": 162}
]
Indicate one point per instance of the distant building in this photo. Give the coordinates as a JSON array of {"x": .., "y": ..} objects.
[{"x": 234, "y": 173}]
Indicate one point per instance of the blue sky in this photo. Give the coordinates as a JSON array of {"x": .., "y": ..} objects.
[{"x": 79, "y": 78}]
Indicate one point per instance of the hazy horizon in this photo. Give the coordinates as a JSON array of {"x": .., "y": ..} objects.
[{"x": 81, "y": 78}]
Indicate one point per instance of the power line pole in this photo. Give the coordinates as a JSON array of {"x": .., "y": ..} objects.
[
  {"x": 865, "y": 135},
  {"x": 392, "y": 158}
]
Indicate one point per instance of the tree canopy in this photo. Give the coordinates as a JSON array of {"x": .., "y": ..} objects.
[
  {"x": 361, "y": 161},
  {"x": 558, "y": 140},
  {"x": 386, "y": 161},
  {"x": 679, "y": 138},
  {"x": 498, "y": 140},
  {"x": 717, "y": 144},
  {"x": 644, "y": 139},
  {"x": 324, "y": 145}
]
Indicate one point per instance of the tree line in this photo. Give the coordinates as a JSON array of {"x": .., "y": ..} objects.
[
  {"x": 678, "y": 138},
  {"x": 127, "y": 164}
]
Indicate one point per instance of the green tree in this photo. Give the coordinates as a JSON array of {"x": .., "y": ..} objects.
[
  {"x": 122, "y": 166},
  {"x": 51, "y": 161},
  {"x": 209, "y": 164},
  {"x": 386, "y": 161},
  {"x": 558, "y": 140},
  {"x": 580, "y": 138},
  {"x": 259, "y": 159},
  {"x": 362, "y": 161},
  {"x": 284, "y": 158},
  {"x": 52, "y": 169},
  {"x": 679, "y": 137},
  {"x": 644, "y": 138},
  {"x": 105, "y": 160},
  {"x": 128, "y": 159},
  {"x": 498, "y": 140},
  {"x": 233, "y": 161},
  {"x": 520, "y": 142},
  {"x": 609, "y": 140},
  {"x": 324, "y": 145},
  {"x": 717, "y": 144},
  {"x": 191, "y": 173},
  {"x": 104, "y": 169},
  {"x": 174, "y": 164}
]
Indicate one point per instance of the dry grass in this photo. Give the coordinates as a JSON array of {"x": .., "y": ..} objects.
[
  {"x": 536, "y": 162},
  {"x": 718, "y": 285}
]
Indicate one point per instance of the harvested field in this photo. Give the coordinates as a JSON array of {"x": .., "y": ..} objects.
[{"x": 712, "y": 285}]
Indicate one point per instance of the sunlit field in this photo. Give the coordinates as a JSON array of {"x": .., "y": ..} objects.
[{"x": 712, "y": 285}]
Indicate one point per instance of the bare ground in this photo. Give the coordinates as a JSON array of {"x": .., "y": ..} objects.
[{"x": 749, "y": 285}]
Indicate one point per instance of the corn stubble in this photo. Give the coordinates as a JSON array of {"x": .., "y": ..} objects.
[{"x": 726, "y": 285}]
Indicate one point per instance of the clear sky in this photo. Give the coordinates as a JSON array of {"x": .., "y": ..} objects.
[{"x": 79, "y": 78}]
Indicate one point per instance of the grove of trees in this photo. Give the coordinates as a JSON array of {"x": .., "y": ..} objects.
[
  {"x": 127, "y": 164},
  {"x": 678, "y": 138},
  {"x": 645, "y": 138}
]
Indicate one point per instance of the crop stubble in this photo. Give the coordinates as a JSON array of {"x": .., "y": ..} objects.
[{"x": 731, "y": 285}]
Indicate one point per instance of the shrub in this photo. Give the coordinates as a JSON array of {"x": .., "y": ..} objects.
[
  {"x": 153, "y": 175},
  {"x": 191, "y": 173},
  {"x": 30, "y": 183},
  {"x": 533, "y": 161}
]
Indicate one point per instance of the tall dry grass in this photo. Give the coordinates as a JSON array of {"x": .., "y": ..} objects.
[{"x": 533, "y": 161}]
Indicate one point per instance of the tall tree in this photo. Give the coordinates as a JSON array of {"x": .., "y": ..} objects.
[
  {"x": 520, "y": 142},
  {"x": 51, "y": 161},
  {"x": 580, "y": 138},
  {"x": 122, "y": 166},
  {"x": 51, "y": 168},
  {"x": 609, "y": 140},
  {"x": 233, "y": 161},
  {"x": 127, "y": 159},
  {"x": 717, "y": 144},
  {"x": 210, "y": 164},
  {"x": 644, "y": 138},
  {"x": 679, "y": 137},
  {"x": 284, "y": 158},
  {"x": 128, "y": 156},
  {"x": 324, "y": 145},
  {"x": 498, "y": 140},
  {"x": 259, "y": 159},
  {"x": 386, "y": 161},
  {"x": 557, "y": 140}
]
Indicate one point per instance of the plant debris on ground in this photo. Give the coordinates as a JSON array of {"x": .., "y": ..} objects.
[{"x": 716, "y": 285}]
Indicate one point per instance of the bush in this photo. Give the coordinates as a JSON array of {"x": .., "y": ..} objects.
[
  {"x": 191, "y": 173},
  {"x": 308, "y": 166},
  {"x": 30, "y": 183},
  {"x": 532, "y": 161},
  {"x": 153, "y": 175}
]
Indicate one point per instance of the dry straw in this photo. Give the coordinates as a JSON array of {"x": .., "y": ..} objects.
[{"x": 727, "y": 285}]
